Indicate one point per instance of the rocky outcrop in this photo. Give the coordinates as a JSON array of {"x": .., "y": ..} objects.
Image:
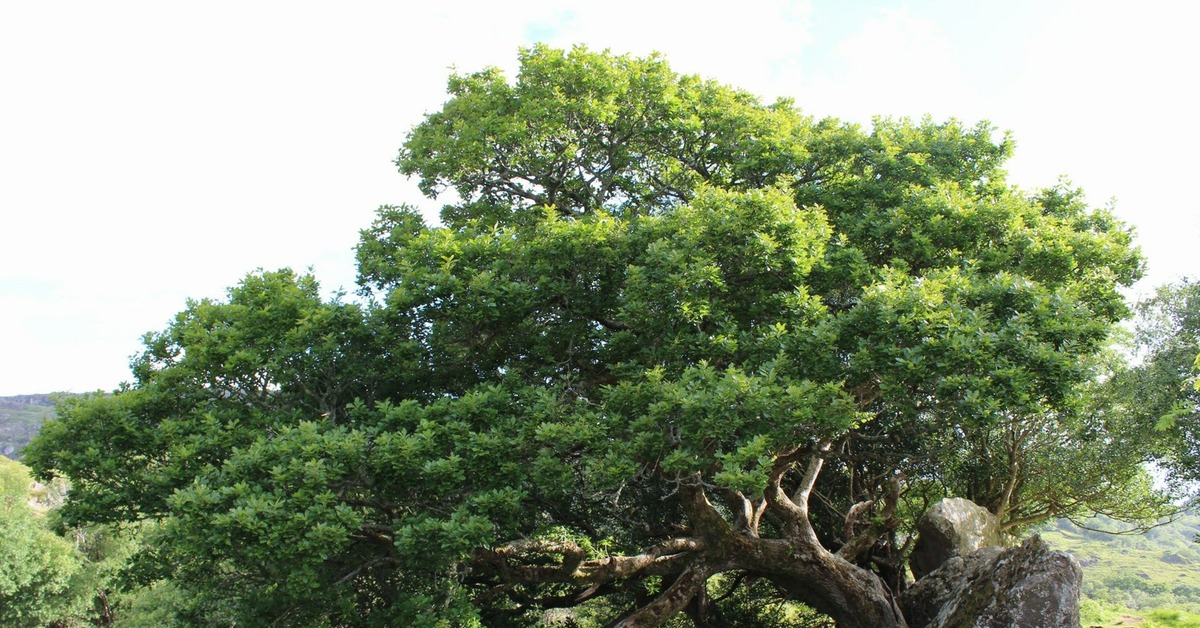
[
  {"x": 953, "y": 527},
  {"x": 966, "y": 578},
  {"x": 1026, "y": 586}
]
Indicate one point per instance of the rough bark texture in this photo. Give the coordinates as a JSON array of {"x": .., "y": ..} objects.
[
  {"x": 952, "y": 527},
  {"x": 852, "y": 596},
  {"x": 1028, "y": 586}
]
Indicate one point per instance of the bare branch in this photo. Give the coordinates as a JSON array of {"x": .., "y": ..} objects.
[
  {"x": 853, "y": 515},
  {"x": 743, "y": 510},
  {"x": 776, "y": 498},
  {"x": 611, "y": 325},
  {"x": 800, "y": 496},
  {"x": 794, "y": 510},
  {"x": 512, "y": 563},
  {"x": 856, "y": 546}
]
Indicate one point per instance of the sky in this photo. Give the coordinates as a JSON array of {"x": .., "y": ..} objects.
[{"x": 152, "y": 152}]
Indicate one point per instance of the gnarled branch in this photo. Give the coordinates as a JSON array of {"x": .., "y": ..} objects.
[
  {"x": 856, "y": 546},
  {"x": 669, "y": 602},
  {"x": 520, "y": 562},
  {"x": 794, "y": 510}
]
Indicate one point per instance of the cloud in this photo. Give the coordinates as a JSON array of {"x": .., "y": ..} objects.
[
  {"x": 755, "y": 45},
  {"x": 1106, "y": 97},
  {"x": 896, "y": 64}
]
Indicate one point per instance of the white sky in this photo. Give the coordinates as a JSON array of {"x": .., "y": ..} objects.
[{"x": 155, "y": 151}]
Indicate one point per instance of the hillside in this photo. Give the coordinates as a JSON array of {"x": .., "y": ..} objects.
[
  {"x": 1130, "y": 578},
  {"x": 20, "y": 418}
]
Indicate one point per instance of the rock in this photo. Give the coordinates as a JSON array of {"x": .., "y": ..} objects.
[
  {"x": 922, "y": 602},
  {"x": 952, "y": 527},
  {"x": 1172, "y": 558},
  {"x": 1028, "y": 586}
]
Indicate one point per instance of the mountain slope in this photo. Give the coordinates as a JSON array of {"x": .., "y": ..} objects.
[
  {"x": 20, "y": 418},
  {"x": 1134, "y": 574}
]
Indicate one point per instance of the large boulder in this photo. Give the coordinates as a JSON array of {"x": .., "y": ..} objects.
[
  {"x": 1028, "y": 586},
  {"x": 953, "y": 527}
]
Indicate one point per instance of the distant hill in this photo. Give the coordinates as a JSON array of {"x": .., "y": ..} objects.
[
  {"x": 1138, "y": 576},
  {"x": 20, "y": 418}
]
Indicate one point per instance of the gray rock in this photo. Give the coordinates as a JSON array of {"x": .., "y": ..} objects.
[
  {"x": 1172, "y": 558},
  {"x": 953, "y": 527},
  {"x": 1028, "y": 586}
]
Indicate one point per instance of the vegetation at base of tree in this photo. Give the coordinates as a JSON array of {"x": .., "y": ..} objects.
[
  {"x": 42, "y": 576},
  {"x": 673, "y": 354},
  {"x": 55, "y": 575}
]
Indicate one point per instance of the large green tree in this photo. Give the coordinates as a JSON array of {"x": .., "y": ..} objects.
[{"x": 670, "y": 350}]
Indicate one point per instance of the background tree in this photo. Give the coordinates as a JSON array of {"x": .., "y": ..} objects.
[
  {"x": 1158, "y": 391},
  {"x": 672, "y": 351},
  {"x": 37, "y": 567}
]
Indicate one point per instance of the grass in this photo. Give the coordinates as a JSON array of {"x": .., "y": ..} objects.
[{"x": 1172, "y": 619}]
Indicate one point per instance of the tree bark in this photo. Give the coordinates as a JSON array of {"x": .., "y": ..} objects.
[
  {"x": 805, "y": 570},
  {"x": 686, "y": 587},
  {"x": 854, "y": 597}
]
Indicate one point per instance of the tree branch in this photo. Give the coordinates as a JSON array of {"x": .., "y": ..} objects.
[
  {"x": 742, "y": 509},
  {"x": 794, "y": 510},
  {"x": 705, "y": 519},
  {"x": 669, "y": 602},
  {"x": 514, "y": 563},
  {"x": 855, "y": 547},
  {"x": 611, "y": 325}
]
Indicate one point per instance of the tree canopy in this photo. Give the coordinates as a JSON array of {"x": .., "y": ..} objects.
[{"x": 671, "y": 350}]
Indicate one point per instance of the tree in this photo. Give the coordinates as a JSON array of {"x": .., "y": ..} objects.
[
  {"x": 671, "y": 350},
  {"x": 1158, "y": 393},
  {"x": 37, "y": 568}
]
